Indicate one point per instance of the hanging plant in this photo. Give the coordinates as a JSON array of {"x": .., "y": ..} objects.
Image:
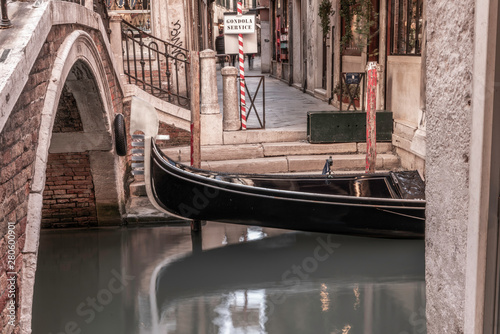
[
  {"x": 325, "y": 10},
  {"x": 359, "y": 19}
]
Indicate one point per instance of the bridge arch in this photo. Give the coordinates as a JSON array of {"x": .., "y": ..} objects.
[{"x": 79, "y": 69}]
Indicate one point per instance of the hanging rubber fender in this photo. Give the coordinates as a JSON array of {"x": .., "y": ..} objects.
[{"x": 120, "y": 135}]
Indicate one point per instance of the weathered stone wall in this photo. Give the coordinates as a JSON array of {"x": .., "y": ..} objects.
[
  {"x": 450, "y": 37},
  {"x": 18, "y": 143},
  {"x": 68, "y": 197}
]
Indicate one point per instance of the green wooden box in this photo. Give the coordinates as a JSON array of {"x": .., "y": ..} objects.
[{"x": 346, "y": 126}]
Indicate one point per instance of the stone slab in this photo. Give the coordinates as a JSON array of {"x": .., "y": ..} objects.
[
  {"x": 217, "y": 152},
  {"x": 261, "y": 166},
  {"x": 343, "y": 162},
  {"x": 389, "y": 161},
  {"x": 316, "y": 163},
  {"x": 404, "y": 129},
  {"x": 138, "y": 188},
  {"x": 263, "y": 136},
  {"x": 381, "y": 147},
  {"x": 401, "y": 142},
  {"x": 140, "y": 210},
  {"x": 211, "y": 129},
  {"x": 304, "y": 148}
]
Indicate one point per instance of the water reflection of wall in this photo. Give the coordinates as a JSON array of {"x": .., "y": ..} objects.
[
  {"x": 352, "y": 308},
  {"x": 72, "y": 280},
  {"x": 237, "y": 282}
]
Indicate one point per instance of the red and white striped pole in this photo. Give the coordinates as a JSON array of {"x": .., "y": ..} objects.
[
  {"x": 371, "y": 123},
  {"x": 242, "y": 76}
]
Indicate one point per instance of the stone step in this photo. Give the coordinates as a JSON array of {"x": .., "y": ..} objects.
[
  {"x": 139, "y": 210},
  {"x": 289, "y": 164},
  {"x": 263, "y": 150},
  {"x": 138, "y": 189},
  {"x": 301, "y": 163},
  {"x": 263, "y": 136}
]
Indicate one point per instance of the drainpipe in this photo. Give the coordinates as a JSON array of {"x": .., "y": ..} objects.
[
  {"x": 305, "y": 76},
  {"x": 332, "y": 49}
]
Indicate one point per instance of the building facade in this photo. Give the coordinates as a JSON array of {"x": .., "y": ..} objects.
[{"x": 300, "y": 54}]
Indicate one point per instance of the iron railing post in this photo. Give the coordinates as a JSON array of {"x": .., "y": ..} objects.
[{"x": 5, "y": 23}]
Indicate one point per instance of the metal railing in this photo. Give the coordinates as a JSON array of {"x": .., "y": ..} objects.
[
  {"x": 251, "y": 104},
  {"x": 158, "y": 67}
]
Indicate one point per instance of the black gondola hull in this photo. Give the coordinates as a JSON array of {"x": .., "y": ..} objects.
[{"x": 210, "y": 197}]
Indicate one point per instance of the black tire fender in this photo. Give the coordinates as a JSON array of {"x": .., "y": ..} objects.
[{"x": 120, "y": 135}]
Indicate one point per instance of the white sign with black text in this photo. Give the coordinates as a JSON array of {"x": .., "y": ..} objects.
[{"x": 239, "y": 24}]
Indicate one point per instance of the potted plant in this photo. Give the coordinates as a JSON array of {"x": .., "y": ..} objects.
[{"x": 324, "y": 13}]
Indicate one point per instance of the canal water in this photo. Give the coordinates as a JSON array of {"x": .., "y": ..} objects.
[{"x": 229, "y": 279}]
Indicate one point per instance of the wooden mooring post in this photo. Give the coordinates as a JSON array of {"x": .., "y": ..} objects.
[
  {"x": 195, "y": 109},
  {"x": 195, "y": 121},
  {"x": 371, "y": 122}
]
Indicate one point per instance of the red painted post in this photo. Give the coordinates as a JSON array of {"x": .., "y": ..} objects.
[
  {"x": 371, "y": 122},
  {"x": 242, "y": 75},
  {"x": 195, "y": 109}
]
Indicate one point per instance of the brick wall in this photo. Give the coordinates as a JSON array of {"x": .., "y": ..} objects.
[
  {"x": 178, "y": 137},
  {"x": 67, "y": 117},
  {"x": 68, "y": 197},
  {"x": 18, "y": 143}
]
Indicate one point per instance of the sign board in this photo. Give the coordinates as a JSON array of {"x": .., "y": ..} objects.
[
  {"x": 231, "y": 45},
  {"x": 239, "y": 24},
  {"x": 352, "y": 78}
]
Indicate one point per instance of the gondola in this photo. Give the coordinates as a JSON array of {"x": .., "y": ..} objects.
[
  {"x": 382, "y": 205},
  {"x": 388, "y": 204}
]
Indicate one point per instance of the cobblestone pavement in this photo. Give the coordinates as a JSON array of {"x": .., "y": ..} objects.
[{"x": 286, "y": 106}]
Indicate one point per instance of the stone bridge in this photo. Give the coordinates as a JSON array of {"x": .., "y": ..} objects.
[{"x": 60, "y": 89}]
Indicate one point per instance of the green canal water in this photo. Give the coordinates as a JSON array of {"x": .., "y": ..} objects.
[{"x": 230, "y": 279}]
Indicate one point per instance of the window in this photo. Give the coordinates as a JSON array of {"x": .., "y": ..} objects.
[
  {"x": 406, "y": 27},
  {"x": 352, "y": 49}
]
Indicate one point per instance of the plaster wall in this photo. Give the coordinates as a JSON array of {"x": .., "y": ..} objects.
[
  {"x": 312, "y": 47},
  {"x": 177, "y": 24},
  {"x": 169, "y": 21},
  {"x": 403, "y": 87},
  {"x": 298, "y": 61},
  {"x": 265, "y": 46},
  {"x": 353, "y": 64},
  {"x": 450, "y": 47}
]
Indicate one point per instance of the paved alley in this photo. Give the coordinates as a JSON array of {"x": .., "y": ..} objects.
[{"x": 286, "y": 107}]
